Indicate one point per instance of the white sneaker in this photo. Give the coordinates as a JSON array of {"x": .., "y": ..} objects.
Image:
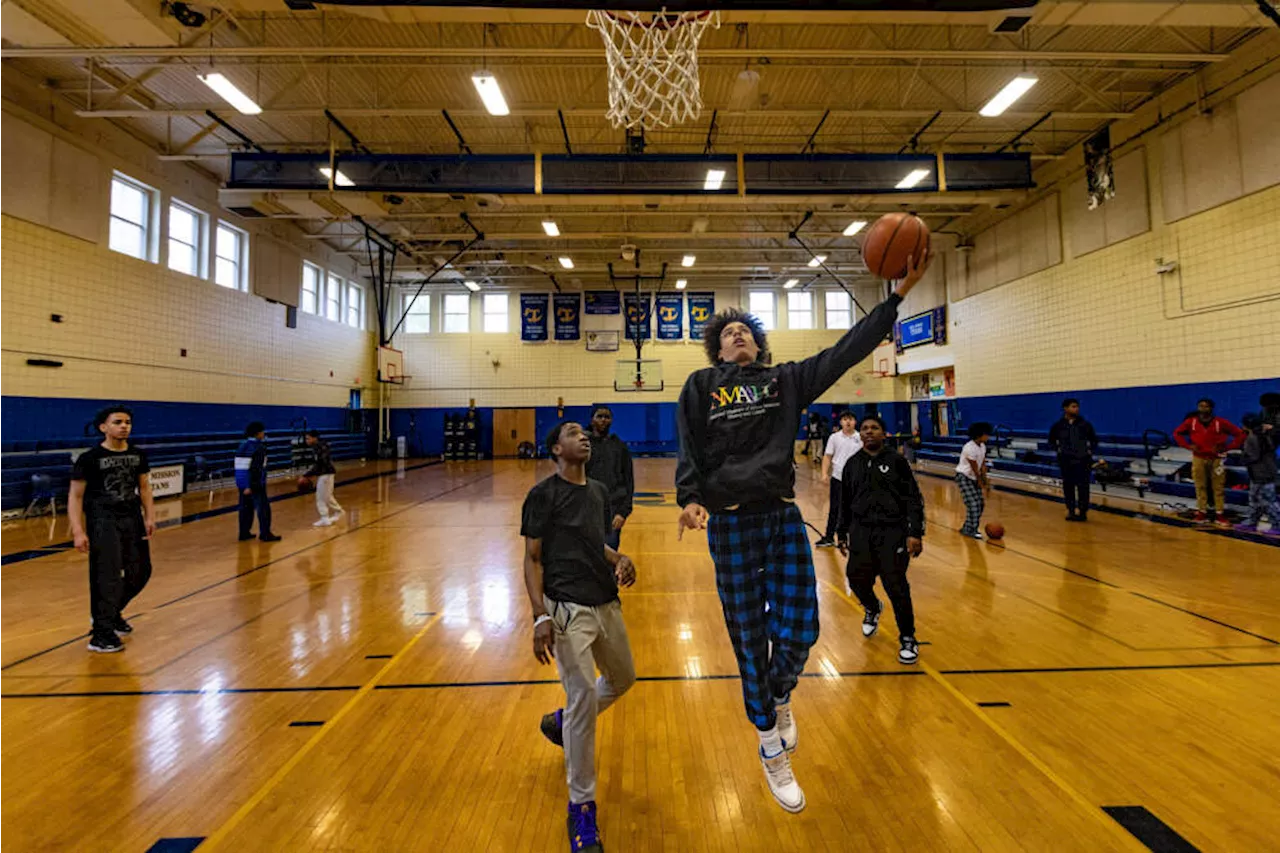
[
  {"x": 787, "y": 726},
  {"x": 910, "y": 650},
  {"x": 782, "y": 782},
  {"x": 337, "y": 512},
  {"x": 324, "y": 522}
]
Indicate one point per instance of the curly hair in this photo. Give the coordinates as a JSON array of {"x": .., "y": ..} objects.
[{"x": 711, "y": 335}]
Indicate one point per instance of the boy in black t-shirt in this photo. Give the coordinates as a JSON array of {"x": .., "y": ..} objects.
[
  {"x": 112, "y": 517},
  {"x": 572, "y": 578}
]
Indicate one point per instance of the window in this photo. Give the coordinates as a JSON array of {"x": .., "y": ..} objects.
[
  {"x": 333, "y": 299},
  {"x": 231, "y": 253},
  {"x": 495, "y": 312},
  {"x": 799, "y": 310},
  {"x": 457, "y": 312},
  {"x": 355, "y": 305},
  {"x": 186, "y": 239},
  {"x": 131, "y": 204},
  {"x": 839, "y": 310},
  {"x": 417, "y": 320},
  {"x": 763, "y": 304},
  {"x": 312, "y": 275}
]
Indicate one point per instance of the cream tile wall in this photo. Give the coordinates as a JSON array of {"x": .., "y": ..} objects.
[{"x": 125, "y": 322}]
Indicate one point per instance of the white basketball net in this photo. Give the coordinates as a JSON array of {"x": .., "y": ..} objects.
[{"x": 653, "y": 65}]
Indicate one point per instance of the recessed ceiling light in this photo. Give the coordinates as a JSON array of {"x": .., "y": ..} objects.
[
  {"x": 854, "y": 227},
  {"x": 817, "y": 260},
  {"x": 566, "y": 262},
  {"x": 552, "y": 229},
  {"x": 688, "y": 260},
  {"x": 230, "y": 93},
  {"x": 715, "y": 178}
]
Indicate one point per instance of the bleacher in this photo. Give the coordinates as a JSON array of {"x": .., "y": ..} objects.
[
  {"x": 208, "y": 457},
  {"x": 1149, "y": 465}
]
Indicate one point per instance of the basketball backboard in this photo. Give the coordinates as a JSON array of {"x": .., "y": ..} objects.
[
  {"x": 390, "y": 365},
  {"x": 634, "y": 375}
]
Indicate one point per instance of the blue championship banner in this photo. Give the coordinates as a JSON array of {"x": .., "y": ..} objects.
[
  {"x": 670, "y": 308},
  {"x": 568, "y": 308},
  {"x": 702, "y": 307},
  {"x": 603, "y": 302},
  {"x": 533, "y": 316},
  {"x": 638, "y": 318}
]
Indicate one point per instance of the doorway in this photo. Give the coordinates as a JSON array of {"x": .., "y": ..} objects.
[{"x": 511, "y": 427}]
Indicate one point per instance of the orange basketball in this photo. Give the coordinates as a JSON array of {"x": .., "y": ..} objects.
[
  {"x": 893, "y": 239},
  {"x": 995, "y": 530},
  {"x": 306, "y": 484}
]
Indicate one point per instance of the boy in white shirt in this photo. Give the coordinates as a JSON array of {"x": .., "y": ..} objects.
[
  {"x": 841, "y": 447},
  {"x": 971, "y": 477}
]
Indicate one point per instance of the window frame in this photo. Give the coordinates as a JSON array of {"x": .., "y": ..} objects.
[
  {"x": 485, "y": 313},
  {"x": 445, "y": 314},
  {"x": 147, "y": 226},
  {"x": 768, "y": 319},
  {"x": 317, "y": 293},
  {"x": 241, "y": 261},
  {"x": 199, "y": 249},
  {"x": 353, "y": 288},
  {"x": 334, "y": 284},
  {"x": 827, "y": 310},
  {"x": 793, "y": 312},
  {"x": 407, "y": 303}
]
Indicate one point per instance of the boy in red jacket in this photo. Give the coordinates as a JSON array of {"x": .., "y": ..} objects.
[{"x": 1209, "y": 439}]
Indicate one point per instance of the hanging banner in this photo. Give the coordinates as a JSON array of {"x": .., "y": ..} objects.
[
  {"x": 702, "y": 307},
  {"x": 670, "y": 308},
  {"x": 568, "y": 307},
  {"x": 1099, "y": 172},
  {"x": 533, "y": 316},
  {"x": 603, "y": 302},
  {"x": 639, "y": 316}
]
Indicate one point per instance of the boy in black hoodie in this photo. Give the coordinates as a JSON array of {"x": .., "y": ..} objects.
[
  {"x": 737, "y": 423},
  {"x": 881, "y": 527}
]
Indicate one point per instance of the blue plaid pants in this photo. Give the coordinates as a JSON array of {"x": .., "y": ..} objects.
[{"x": 764, "y": 573}]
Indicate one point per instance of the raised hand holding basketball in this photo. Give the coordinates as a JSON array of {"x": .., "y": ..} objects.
[{"x": 914, "y": 274}]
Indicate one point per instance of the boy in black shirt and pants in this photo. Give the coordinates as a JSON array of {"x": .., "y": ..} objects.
[
  {"x": 881, "y": 527},
  {"x": 112, "y": 517},
  {"x": 610, "y": 464},
  {"x": 572, "y": 578},
  {"x": 1075, "y": 442}
]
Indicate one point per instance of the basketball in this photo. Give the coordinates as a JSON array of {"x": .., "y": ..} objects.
[
  {"x": 995, "y": 530},
  {"x": 893, "y": 239},
  {"x": 306, "y": 484}
]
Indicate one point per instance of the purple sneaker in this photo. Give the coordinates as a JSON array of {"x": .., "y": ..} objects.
[
  {"x": 553, "y": 726},
  {"x": 1246, "y": 528},
  {"x": 584, "y": 835}
]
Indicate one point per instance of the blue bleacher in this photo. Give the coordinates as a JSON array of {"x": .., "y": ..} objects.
[{"x": 22, "y": 459}]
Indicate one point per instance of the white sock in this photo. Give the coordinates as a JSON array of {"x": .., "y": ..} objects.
[
  {"x": 783, "y": 701},
  {"x": 770, "y": 742}
]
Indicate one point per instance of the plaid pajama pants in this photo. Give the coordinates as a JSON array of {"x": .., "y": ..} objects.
[
  {"x": 973, "y": 503},
  {"x": 764, "y": 573}
]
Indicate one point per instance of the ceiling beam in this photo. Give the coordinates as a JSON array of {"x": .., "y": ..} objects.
[{"x": 434, "y": 112}]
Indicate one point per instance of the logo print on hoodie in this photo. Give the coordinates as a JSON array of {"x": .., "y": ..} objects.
[{"x": 738, "y": 401}]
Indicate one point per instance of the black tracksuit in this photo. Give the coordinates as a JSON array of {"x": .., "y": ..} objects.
[
  {"x": 880, "y": 507},
  {"x": 610, "y": 464},
  {"x": 1075, "y": 443}
]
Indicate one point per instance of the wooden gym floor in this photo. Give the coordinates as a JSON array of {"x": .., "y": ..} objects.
[{"x": 370, "y": 686}]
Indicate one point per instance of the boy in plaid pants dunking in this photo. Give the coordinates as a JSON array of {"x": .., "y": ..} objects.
[{"x": 736, "y": 479}]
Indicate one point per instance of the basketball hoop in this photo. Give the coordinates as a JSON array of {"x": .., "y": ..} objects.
[{"x": 653, "y": 64}]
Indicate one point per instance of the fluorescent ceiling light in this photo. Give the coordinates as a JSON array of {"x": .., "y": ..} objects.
[
  {"x": 552, "y": 229},
  {"x": 566, "y": 262},
  {"x": 472, "y": 286},
  {"x": 339, "y": 180},
  {"x": 490, "y": 93},
  {"x": 791, "y": 282},
  {"x": 854, "y": 227},
  {"x": 1014, "y": 89},
  {"x": 818, "y": 260},
  {"x": 229, "y": 93},
  {"x": 680, "y": 285},
  {"x": 688, "y": 260},
  {"x": 914, "y": 177},
  {"x": 715, "y": 177}
]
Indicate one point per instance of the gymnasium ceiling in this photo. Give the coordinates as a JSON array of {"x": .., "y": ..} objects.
[{"x": 838, "y": 82}]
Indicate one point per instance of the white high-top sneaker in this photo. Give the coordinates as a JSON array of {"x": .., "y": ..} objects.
[
  {"x": 787, "y": 726},
  {"x": 782, "y": 782}
]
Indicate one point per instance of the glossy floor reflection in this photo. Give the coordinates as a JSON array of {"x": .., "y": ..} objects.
[{"x": 1138, "y": 664}]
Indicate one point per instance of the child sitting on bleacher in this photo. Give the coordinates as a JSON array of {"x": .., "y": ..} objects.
[{"x": 1259, "y": 453}]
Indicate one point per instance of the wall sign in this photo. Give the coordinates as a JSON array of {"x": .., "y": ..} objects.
[{"x": 167, "y": 480}]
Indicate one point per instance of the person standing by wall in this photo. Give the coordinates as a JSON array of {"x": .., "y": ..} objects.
[
  {"x": 1209, "y": 438},
  {"x": 1074, "y": 440},
  {"x": 251, "y": 480},
  {"x": 610, "y": 464}
]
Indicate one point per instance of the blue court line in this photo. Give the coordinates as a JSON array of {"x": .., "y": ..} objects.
[
  {"x": 46, "y": 550},
  {"x": 175, "y": 845},
  {"x": 533, "y": 682}
]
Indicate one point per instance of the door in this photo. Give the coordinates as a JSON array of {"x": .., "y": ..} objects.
[{"x": 510, "y": 428}]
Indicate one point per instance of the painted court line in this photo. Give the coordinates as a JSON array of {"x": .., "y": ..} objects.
[{"x": 1150, "y": 830}]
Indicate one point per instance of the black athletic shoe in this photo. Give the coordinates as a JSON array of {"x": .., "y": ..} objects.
[
  {"x": 245, "y": 537},
  {"x": 1071, "y": 516},
  {"x": 105, "y": 642},
  {"x": 121, "y": 627},
  {"x": 269, "y": 537},
  {"x": 825, "y": 542},
  {"x": 553, "y": 727},
  {"x": 871, "y": 622},
  {"x": 909, "y": 652}
]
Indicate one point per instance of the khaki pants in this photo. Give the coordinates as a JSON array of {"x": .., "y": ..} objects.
[
  {"x": 587, "y": 638},
  {"x": 1209, "y": 474},
  {"x": 326, "y": 503}
]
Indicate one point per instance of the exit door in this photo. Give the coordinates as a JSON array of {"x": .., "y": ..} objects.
[{"x": 511, "y": 427}]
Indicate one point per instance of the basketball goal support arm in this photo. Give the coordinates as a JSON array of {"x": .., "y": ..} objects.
[
  {"x": 795, "y": 235},
  {"x": 479, "y": 235}
]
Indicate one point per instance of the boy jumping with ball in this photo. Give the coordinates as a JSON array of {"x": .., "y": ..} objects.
[{"x": 736, "y": 479}]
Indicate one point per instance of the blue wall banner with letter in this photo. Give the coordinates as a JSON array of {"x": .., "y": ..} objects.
[
  {"x": 702, "y": 307},
  {"x": 670, "y": 316},
  {"x": 568, "y": 308},
  {"x": 639, "y": 315},
  {"x": 603, "y": 302},
  {"x": 533, "y": 316}
]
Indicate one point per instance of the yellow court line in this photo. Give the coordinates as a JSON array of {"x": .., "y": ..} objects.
[
  {"x": 1092, "y": 808},
  {"x": 222, "y": 832}
]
